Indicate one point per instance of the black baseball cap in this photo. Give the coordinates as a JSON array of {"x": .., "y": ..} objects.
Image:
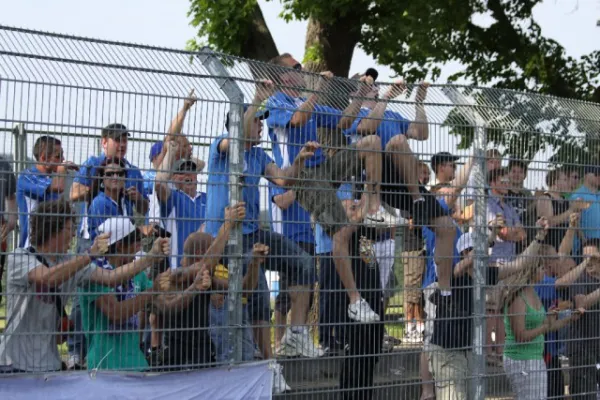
[
  {"x": 261, "y": 114},
  {"x": 441, "y": 158},
  {"x": 114, "y": 131},
  {"x": 591, "y": 169},
  {"x": 184, "y": 165}
]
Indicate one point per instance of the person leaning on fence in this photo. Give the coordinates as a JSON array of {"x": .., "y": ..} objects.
[
  {"x": 449, "y": 351},
  {"x": 590, "y": 217},
  {"x": 110, "y": 315},
  {"x": 182, "y": 206},
  {"x": 41, "y": 279},
  {"x": 43, "y": 181},
  {"x": 114, "y": 140},
  {"x": 8, "y": 210},
  {"x": 526, "y": 322},
  {"x": 293, "y": 120},
  {"x": 285, "y": 255},
  {"x": 289, "y": 219},
  {"x": 581, "y": 286}
]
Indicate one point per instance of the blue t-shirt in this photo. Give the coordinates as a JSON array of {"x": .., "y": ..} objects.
[
  {"x": 149, "y": 178},
  {"x": 323, "y": 243},
  {"x": 293, "y": 222},
  {"x": 103, "y": 207},
  {"x": 392, "y": 124},
  {"x": 89, "y": 171},
  {"x": 590, "y": 218},
  {"x": 182, "y": 215},
  {"x": 288, "y": 140},
  {"x": 547, "y": 293},
  {"x": 430, "y": 275},
  {"x": 32, "y": 189},
  {"x": 217, "y": 186}
]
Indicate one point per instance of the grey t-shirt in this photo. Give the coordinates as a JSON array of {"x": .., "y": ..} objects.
[
  {"x": 8, "y": 185},
  {"x": 29, "y": 340}
]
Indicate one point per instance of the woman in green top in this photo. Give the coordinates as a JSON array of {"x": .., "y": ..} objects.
[{"x": 526, "y": 322}]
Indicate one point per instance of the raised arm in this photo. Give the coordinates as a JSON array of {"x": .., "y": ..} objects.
[
  {"x": 160, "y": 248},
  {"x": 370, "y": 124},
  {"x": 349, "y": 114},
  {"x": 120, "y": 311},
  {"x": 284, "y": 200},
  {"x": 529, "y": 256},
  {"x": 570, "y": 277},
  {"x": 163, "y": 191},
  {"x": 57, "y": 275},
  {"x": 302, "y": 115},
  {"x": 419, "y": 129},
  {"x": 259, "y": 253},
  {"x": 289, "y": 175},
  {"x": 450, "y": 194},
  {"x": 566, "y": 245}
]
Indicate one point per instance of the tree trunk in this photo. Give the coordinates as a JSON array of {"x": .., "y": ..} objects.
[{"x": 259, "y": 44}]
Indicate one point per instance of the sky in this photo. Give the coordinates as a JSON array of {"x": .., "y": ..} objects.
[{"x": 165, "y": 23}]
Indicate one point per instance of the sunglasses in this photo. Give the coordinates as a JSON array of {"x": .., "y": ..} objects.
[
  {"x": 297, "y": 67},
  {"x": 188, "y": 180},
  {"x": 115, "y": 174}
]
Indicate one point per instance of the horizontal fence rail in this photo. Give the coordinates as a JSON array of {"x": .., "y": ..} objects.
[{"x": 168, "y": 211}]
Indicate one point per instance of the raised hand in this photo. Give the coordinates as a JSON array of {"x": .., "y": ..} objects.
[
  {"x": 190, "y": 100},
  {"x": 308, "y": 151},
  {"x": 260, "y": 252},
  {"x": 133, "y": 194},
  {"x": 397, "y": 88},
  {"x": 236, "y": 214},
  {"x": 161, "y": 247},
  {"x": 326, "y": 76},
  {"x": 203, "y": 280},
  {"x": 264, "y": 89},
  {"x": 579, "y": 205},
  {"x": 100, "y": 245},
  {"x": 574, "y": 220},
  {"x": 422, "y": 92}
]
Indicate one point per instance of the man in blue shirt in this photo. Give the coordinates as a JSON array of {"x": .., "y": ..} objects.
[
  {"x": 114, "y": 139},
  {"x": 182, "y": 207},
  {"x": 590, "y": 218},
  {"x": 285, "y": 255},
  {"x": 44, "y": 181},
  {"x": 289, "y": 219},
  {"x": 292, "y": 121}
]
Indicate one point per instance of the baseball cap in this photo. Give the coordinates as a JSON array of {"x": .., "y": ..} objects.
[
  {"x": 465, "y": 242},
  {"x": 120, "y": 228},
  {"x": 114, "y": 131},
  {"x": 591, "y": 169},
  {"x": 442, "y": 157},
  {"x": 261, "y": 114},
  {"x": 155, "y": 150},
  {"x": 184, "y": 165}
]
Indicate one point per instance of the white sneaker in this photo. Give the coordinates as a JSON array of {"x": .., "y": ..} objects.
[
  {"x": 362, "y": 312},
  {"x": 381, "y": 219},
  {"x": 279, "y": 383},
  {"x": 295, "y": 344},
  {"x": 74, "y": 362}
]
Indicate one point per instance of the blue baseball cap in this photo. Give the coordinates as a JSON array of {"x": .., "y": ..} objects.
[
  {"x": 155, "y": 150},
  {"x": 261, "y": 114}
]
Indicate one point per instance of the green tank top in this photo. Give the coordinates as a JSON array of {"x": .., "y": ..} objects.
[{"x": 533, "y": 350}]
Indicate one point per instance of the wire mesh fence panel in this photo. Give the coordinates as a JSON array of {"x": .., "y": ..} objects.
[{"x": 170, "y": 211}]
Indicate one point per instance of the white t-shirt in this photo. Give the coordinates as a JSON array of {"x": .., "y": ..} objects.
[{"x": 29, "y": 340}]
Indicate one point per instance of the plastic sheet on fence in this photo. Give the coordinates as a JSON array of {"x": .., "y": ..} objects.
[{"x": 249, "y": 382}]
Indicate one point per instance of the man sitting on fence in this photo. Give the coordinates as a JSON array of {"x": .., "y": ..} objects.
[
  {"x": 285, "y": 255},
  {"x": 43, "y": 181},
  {"x": 40, "y": 280},
  {"x": 294, "y": 120}
]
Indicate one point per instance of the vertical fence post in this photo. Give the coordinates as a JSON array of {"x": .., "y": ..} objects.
[
  {"x": 477, "y": 388},
  {"x": 20, "y": 164},
  {"x": 236, "y": 153}
]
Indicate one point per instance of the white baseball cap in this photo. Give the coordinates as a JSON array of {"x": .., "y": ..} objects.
[
  {"x": 465, "y": 242},
  {"x": 119, "y": 228}
]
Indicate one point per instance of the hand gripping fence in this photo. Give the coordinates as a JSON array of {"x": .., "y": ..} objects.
[{"x": 349, "y": 298}]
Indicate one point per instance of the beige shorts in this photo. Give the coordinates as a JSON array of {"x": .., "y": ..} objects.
[{"x": 414, "y": 267}]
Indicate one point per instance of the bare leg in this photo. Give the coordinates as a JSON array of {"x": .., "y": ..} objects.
[
  {"x": 406, "y": 163},
  {"x": 300, "y": 296},
  {"x": 445, "y": 234},
  {"x": 280, "y": 322},
  {"x": 262, "y": 337},
  {"x": 427, "y": 389},
  {"x": 369, "y": 149},
  {"x": 341, "y": 260}
]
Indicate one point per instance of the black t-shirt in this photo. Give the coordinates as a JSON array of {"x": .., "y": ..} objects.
[
  {"x": 458, "y": 332},
  {"x": 584, "y": 333},
  {"x": 8, "y": 184},
  {"x": 521, "y": 201},
  {"x": 557, "y": 233}
]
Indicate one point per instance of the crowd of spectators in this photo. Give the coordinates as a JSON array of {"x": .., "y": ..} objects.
[{"x": 146, "y": 270}]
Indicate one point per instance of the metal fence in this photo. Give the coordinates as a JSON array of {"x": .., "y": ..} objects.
[{"x": 376, "y": 282}]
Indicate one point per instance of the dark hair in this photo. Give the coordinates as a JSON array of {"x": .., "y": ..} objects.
[
  {"x": 278, "y": 60},
  {"x": 49, "y": 219},
  {"x": 44, "y": 145},
  {"x": 133, "y": 237},
  {"x": 552, "y": 176},
  {"x": 517, "y": 163},
  {"x": 496, "y": 174}
]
